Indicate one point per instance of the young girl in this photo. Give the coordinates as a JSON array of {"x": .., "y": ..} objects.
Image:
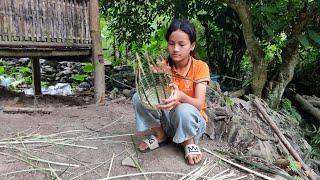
[{"x": 183, "y": 118}]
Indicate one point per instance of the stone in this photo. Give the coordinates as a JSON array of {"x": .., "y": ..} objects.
[
  {"x": 129, "y": 161},
  {"x": 122, "y": 68},
  {"x": 127, "y": 92},
  {"x": 113, "y": 93},
  {"x": 84, "y": 85},
  {"x": 24, "y": 60}
]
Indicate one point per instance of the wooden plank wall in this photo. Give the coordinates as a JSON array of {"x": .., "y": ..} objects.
[{"x": 59, "y": 21}]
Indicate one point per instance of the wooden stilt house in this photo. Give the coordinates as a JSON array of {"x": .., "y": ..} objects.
[{"x": 53, "y": 29}]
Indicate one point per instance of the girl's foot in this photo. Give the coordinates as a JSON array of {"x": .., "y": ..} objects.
[
  {"x": 159, "y": 138},
  {"x": 151, "y": 143},
  {"x": 192, "y": 151}
]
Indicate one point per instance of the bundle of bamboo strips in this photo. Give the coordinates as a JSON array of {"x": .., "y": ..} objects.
[{"x": 151, "y": 86}]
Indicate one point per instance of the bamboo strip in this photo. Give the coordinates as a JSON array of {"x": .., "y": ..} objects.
[
  {"x": 63, "y": 17},
  {"x": 14, "y": 30},
  {"x": 27, "y": 22},
  {"x": 59, "y": 8},
  {"x": 82, "y": 22},
  {"x": 54, "y": 21},
  {"x": 88, "y": 40},
  {"x": 10, "y": 20},
  {"x": 76, "y": 22},
  {"x": 239, "y": 166},
  {"x": 1, "y": 19}
]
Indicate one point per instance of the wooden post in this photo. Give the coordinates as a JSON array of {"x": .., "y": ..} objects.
[
  {"x": 97, "y": 56},
  {"x": 36, "y": 76}
]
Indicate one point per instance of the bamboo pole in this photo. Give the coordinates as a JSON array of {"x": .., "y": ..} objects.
[
  {"x": 308, "y": 171},
  {"x": 97, "y": 56}
]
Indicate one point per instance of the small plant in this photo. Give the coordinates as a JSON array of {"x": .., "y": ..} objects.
[
  {"x": 287, "y": 106},
  {"x": 314, "y": 136},
  {"x": 79, "y": 77},
  {"x": 86, "y": 70},
  {"x": 2, "y": 70}
]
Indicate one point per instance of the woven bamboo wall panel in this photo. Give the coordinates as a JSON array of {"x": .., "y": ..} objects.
[{"x": 59, "y": 21}]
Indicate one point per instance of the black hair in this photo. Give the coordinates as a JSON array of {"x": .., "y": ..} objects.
[{"x": 185, "y": 26}]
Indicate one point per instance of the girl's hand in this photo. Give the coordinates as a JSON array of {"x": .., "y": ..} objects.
[
  {"x": 173, "y": 100},
  {"x": 161, "y": 68}
]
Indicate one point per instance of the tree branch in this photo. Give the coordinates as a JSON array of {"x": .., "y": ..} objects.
[{"x": 244, "y": 14}]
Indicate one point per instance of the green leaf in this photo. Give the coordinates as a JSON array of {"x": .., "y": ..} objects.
[
  {"x": 229, "y": 101},
  {"x": 2, "y": 70},
  {"x": 304, "y": 40},
  {"x": 79, "y": 77},
  {"x": 88, "y": 68},
  {"x": 269, "y": 31},
  {"x": 25, "y": 70},
  {"x": 294, "y": 166},
  {"x": 314, "y": 36}
]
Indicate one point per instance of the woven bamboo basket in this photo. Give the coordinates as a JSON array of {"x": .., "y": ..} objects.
[{"x": 151, "y": 87}]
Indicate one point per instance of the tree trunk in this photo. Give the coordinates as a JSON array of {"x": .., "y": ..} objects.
[
  {"x": 97, "y": 56},
  {"x": 285, "y": 74},
  {"x": 259, "y": 71},
  {"x": 289, "y": 55}
]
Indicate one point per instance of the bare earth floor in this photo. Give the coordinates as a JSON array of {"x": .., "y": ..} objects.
[{"x": 93, "y": 139}]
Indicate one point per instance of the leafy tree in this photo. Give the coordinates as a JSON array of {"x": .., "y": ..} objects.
[
  {"x": 295, "y": 19},
  {"x": 271, "y": 32}
]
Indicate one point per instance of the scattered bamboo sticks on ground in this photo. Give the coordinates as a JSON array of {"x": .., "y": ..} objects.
[
  {"x": 201, "y": 172},
  {"x": 27, "y": 148},
  {"x": 239, "y": 166}
]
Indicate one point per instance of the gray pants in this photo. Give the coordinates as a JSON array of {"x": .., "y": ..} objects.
[{"x": 181, "y": 123}]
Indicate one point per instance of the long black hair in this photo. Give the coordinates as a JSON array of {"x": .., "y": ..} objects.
[{"x": 185, "y": 26}]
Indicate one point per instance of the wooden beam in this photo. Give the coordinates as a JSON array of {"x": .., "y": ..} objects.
[
  {"x": 97, "y": 56},
  {"x": 27, "y": 52},
  {"x": 36, "y": 76},
  {"x": 20, "y": 44}
]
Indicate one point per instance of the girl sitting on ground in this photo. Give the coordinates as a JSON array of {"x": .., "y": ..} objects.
[{"x": 183, "y": 116}]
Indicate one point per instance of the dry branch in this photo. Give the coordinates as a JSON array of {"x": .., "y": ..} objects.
[
  {"x": 314, "y": 100},
  {"x": 26, "y": 110},
  {"x": 283, "y": 139},
  {"x": 305, "y": 105},
  {"x": 237, "y": 93}
]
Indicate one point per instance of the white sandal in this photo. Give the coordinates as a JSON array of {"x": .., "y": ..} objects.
[
  {"x": 152, "y": 143},
  {"x": 191, "y": 149}
]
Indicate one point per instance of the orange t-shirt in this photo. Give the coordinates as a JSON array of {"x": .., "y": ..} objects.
[{"x": 199, "y": 72}]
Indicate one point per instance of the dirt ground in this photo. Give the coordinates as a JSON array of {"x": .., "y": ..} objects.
[{"x": 91, "y": 127}]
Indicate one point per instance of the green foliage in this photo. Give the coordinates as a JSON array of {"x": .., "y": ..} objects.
[
  {"x": 304, "y": 40},
  {"x": 79, "y": 77},
  {"x": 228, "y": 101},
  {"x": 295, "y": 167},
  {"x": 88, "y": 68},
  {"x": 307, "y": 70},
  {"x": 2, "y": 70},
  {"x": 25, "y": 70},
  {"x": 313, "y": 133},
  {"x": 85, "y": 72},
  {"x": 287, "y": 106},
  {"x": 314, "y": 36}
]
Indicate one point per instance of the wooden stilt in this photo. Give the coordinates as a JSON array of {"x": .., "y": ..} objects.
[
  {"x": 97, "y": 57},
  {"x": 36, "y": 76}
]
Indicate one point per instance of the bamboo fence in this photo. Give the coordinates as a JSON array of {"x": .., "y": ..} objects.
[{"x": 44, "y": 21}]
